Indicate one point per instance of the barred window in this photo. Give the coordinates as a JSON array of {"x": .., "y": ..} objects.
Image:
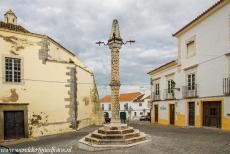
[{"x": 12, "y": 69}]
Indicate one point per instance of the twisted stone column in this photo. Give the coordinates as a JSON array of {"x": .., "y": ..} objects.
[
  {"x": 115, "y": 43},
  {"x": 115, "y": 85}
]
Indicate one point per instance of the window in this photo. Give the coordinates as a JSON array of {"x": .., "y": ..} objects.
[
  {"x": 191, "y": 81},
  {"x": 157, "y": 88},
  {"x": 141, "y": 113},
  {"x": 171, "y": 86},
  {"x": 109, "y": 107},
  {"x": 229, "y": 65},
  {"x": 126, "y": 106},
  {"x": 102, "y": 106},
  {"x": 12, "y": 70},
  {"x": 140, "y": 104},
  {"x": 191, "y": 51},
  {"x": 135, "y": 113}
]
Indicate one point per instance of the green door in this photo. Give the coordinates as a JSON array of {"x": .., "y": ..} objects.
[{"x": 123, "y": 116}]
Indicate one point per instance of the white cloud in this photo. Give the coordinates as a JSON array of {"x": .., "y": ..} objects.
[{"x": 77, "y": 24}]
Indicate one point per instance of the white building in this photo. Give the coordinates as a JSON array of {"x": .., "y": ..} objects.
[
  {"x": 194, "y": 89},
  {"x": 133, "y": 105}
]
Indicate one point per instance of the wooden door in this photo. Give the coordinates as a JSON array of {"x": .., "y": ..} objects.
[
  {"x": 212, "y": 114},
  {"x": 14, "y": 124},
  {"x": 191, "y": 113},
  {"x": 156, "y": 113},
  {"x": 172, "y": 114}
]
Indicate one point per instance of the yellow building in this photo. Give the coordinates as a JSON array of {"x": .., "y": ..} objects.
[
  {"x": 194, "y": 89},
  {"x": 44, "y": 88}
]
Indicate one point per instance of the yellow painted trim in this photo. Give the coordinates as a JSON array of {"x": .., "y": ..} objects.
[
  {"x": 153, "y": 114},
  {"x": 225, "y": 122},
  {"x": 199, "y": 117},
  {"x": 169, "y": 112},
  {"x": 163, "y": 121},
  {"x": 180, "y": 122}
]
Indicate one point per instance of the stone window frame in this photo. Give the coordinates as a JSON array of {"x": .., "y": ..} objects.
[
  {"x": 228, "y": 63},
  {"x": 170, "y": 78},
  {"x": 156, "y": 89},
  {"x": 191, "y": 70},
  {"x": 4, "y": 70},
  {"x": 229, "y": 66},
  {"x": 189, "y": 41},
  {"x": 229, "y": 26}
]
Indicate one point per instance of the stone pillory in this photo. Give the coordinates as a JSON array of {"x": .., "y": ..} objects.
[
  {"x": 115, "y": 134},
  {"x": 115, "y": 43}
]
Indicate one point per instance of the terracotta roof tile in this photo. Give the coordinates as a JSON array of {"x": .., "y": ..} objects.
[{"x": 122, "y": 98}]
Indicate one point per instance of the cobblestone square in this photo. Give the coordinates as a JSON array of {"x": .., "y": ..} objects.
[{"x": 165, "y": 139}]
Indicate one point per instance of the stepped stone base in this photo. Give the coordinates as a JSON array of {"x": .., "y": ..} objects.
[{"x": 113, "y": 137}]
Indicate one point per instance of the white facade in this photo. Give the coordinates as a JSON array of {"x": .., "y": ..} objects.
[
  {"x": 106, "y": 107},
  {"x": 200, "y": 74},
  {"x": 137, "y": 109}
]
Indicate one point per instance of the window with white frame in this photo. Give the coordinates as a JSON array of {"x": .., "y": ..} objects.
[
  {"x": 140, "y": 104},
  {"x": 102, "y": 106},
  {"x": 157, "y": 89},
  {"x": 171, "y": 86},
  {"x": 110, "y": 107},
  {"x": 191, "y": 81},
  {"x": 191, "y": 49},
  {"x": 12, "y": 69}
]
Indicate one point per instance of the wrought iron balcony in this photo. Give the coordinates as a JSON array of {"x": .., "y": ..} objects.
[
  {"x": 156, "y": 96},
  {"x": 169, "y": 94},
  {"x": 226, "y": 86},
  {"x": 190, "y": 91}
]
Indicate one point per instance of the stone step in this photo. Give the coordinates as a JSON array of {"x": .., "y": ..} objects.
[
  {"x": 98, "y": 135},
  {"x": 140, "y": 138},
  {"x": 122, "y": 131},
  {"x": 93, "y": 140}
]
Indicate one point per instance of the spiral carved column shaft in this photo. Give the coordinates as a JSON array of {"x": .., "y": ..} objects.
[{"x": 115, "y": 85}]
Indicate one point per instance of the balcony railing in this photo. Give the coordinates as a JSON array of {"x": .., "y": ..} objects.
[
  {"x": 156, "y": 96},
  {"x": 169, "y": 94},
  {"x": 226, "y": 86},
  {"x": 190, "y": 91}
]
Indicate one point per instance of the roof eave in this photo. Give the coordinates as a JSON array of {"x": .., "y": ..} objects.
[
  {"x": 201, "y": 17},
  {"x": 167, "y": 65}
]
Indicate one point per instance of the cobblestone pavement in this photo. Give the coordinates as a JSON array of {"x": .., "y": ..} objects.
[{"x": 165, "y": 139}]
